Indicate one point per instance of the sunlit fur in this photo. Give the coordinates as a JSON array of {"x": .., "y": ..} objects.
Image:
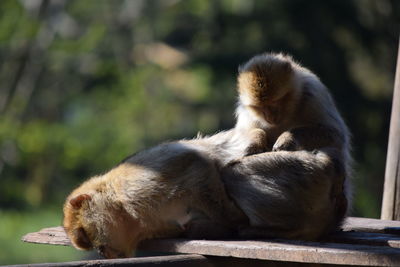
[{"x": 154, "y": 193}]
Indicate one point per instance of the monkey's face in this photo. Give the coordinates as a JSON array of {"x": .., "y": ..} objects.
[
  {"x": 264, "y": 83},
  {"x": 112, "y": 232}
]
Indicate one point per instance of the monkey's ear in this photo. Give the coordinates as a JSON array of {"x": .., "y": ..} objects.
[{"x": 77, "y": 201}]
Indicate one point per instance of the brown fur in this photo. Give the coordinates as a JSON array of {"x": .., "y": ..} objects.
[{"x": 154, "y": 193}]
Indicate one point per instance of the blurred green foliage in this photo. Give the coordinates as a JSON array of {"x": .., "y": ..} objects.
[
  {"x": 14, "y": 225},
  {"x": 85, "y": 83}
]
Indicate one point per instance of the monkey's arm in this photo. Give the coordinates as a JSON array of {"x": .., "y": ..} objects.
[{"x": 309, "y": 138}]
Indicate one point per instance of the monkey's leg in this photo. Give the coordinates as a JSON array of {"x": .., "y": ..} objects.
[{"x": 309, "y": 138}]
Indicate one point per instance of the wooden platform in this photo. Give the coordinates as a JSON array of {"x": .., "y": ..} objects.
[{"x": 363, "y": 242}]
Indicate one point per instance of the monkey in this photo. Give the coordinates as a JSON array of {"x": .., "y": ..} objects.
[
  {"x": 182, "y": 188},
  {"x": 154, "y": 193},
  {"x": 286, "y": 107},
  {"x": 281, "y": 97}
]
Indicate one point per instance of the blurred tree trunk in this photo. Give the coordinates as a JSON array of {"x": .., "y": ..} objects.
[
  {"x": 32, "y": 57},
  {"x": 391, "y": 191}
]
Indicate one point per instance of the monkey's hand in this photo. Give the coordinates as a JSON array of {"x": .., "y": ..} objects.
[
  {"x": 285, "y": 142},
  {"x": 258, "y": 142}
]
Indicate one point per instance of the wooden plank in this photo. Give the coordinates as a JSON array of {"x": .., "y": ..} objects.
[
  {"x": 373, "y": 239},
  {"x": 283, "y": 250},
  {"x": 57, "y": 236},
  {"x": 363, "y": 243},
  {"x": 391, "y": 191},
  {"x": 371, "y": 225},
  {"x": 51, "y": 236},
  {"x": 375, "y": 236},
  {"x": 164, "y": 261}
]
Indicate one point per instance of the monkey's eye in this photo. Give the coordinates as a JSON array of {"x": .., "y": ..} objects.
[{"x": 260, "y": 83}]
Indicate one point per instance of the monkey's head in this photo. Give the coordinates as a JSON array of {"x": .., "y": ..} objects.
[
  {"x": 264, "y": 83},
  {"x": 93, "y": 221}
]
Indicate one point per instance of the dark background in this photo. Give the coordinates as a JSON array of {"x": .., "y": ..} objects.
[{"x": 85, "y": 83}]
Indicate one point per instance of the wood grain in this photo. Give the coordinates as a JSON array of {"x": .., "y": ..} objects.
[
  {"x": 283, "y": 250},
  {"x": 371, "y": 225},
  {"x": 365, "y": 242}
]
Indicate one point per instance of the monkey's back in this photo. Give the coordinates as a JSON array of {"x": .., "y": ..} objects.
[{"x": 287, "y": 194}]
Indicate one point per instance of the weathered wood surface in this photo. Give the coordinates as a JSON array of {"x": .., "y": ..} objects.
[
  {"x": 57, "y": 236},
  {"x": 283, "y": 250},
  {"x": 172, "y": 261},
  {"x": 361, "y": 238},
  {"x": 51, "y": 236},
  {"x": 391, "y": 191},
  {"x": 363, "y": 242},
  {"x": 371, "y": 225}
]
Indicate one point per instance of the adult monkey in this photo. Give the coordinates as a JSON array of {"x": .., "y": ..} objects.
[{"x": 285, "y": 107}]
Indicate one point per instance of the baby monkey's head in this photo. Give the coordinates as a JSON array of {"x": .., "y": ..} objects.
[
  {"x": 94, "y": 220},
  {"x": 264, "y": 82}
]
